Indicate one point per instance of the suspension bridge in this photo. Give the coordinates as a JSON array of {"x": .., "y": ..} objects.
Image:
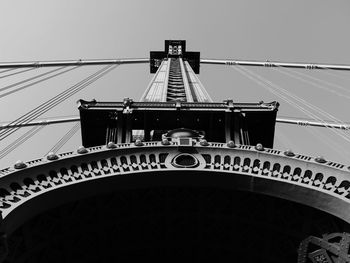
[
  {"x": 41, "y": 72},
  {"x": 176, "y": 140}
]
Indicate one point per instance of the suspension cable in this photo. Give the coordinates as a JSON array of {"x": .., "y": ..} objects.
[
  {"x": 273, "y": 89},
  {"x": 267, "y": 63},
  {"x": 308, "y": 122},
  {"x": 29, "y": 79},
  {"x": 311, "y": 106},
  {"x": 12, "y": 146},
  {"x": 15, "y": 73},
  {"x": 326, "y": 140},
  {"x": 40, "y": 122},
  {"x": 44, "y": 107},
  {"x": 65, "y": 138},
  {"x": 80, "y": 62},
  {"x": 7, "y": 70},
  {"x": 287, "y": 93},
  {"x": 337, "y": 74},
  {"x": 35, "y": 82},
  {"x": 292, "y": 73}
]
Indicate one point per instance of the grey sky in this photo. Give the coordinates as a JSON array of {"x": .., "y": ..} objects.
[{"x": 298, "y": 30}]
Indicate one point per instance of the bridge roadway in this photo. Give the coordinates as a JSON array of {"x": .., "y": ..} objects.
[{"x": 30, "y": 188}]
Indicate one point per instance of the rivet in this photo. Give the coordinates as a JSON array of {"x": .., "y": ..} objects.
[
  {"x": 51, "y": 156},
  {"x": 289, "y": 153},
  {"x": 203, "y": 142},
  {"x": 111, "y": 145},
  {"x": 231, "y": 144},
  {"x": 81, "y": 150},
  {"x": 165, "y": 141},
  {"x": 320, "y": 159},
  {"x": 20, "y": 165},
  {"x": 259, "y": 147},
  {"x": 138, "y": 142}
]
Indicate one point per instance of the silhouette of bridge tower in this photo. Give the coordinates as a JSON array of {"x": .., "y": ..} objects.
[{"x": 176, "y": 176}]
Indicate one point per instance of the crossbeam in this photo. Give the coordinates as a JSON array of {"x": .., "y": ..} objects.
[
  {"x": 79, "y": 62},
  {"x": 301, "y": 122},
  {"x": 341, "y": 126},
  {"x": 267, "y": 63},
  {"x": 39, "y": 123}
]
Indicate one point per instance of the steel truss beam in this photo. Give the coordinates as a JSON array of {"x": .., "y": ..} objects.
[
  {"x": 267, "y": 63},
  {"x": 79, "y": 62},
  {"x": 311, "y": 181},
  {"x": 301, "y": 122}
]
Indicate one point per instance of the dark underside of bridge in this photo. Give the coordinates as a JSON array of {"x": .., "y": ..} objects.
[{"x": 170, "y": 224}]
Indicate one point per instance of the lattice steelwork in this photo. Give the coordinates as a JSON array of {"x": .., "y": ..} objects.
[
  {"x": 213, "y": 191},
  {"x": 175, "y": 80}
]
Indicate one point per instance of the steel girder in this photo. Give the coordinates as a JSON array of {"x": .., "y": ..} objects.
[{"x": 313, "y": 182}]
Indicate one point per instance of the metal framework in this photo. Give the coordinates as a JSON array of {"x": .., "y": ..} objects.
[
  {"x": 301, "y": 122},
  {"x": 277, "y": 171},
  {"x": 80, "y": 62},
  {"x": 267, "y": 63},
  {"x": 232, "y": 157}
]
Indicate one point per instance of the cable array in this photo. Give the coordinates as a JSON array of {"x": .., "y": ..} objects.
[
  {"x": 7, "y": 70},
  {"x": 311, "y": 80},
  {"x": 12, "y": 146},
  {"x": 292, "y": 99},
  {"x": 311, "y": 106},
  {"x": 336, "y": 74},
  {"x": 15, "y": 73},
  {"x": 35, "y": 82},
  {"x": 65, "y": 138},
  {"x": 54, "y": 101}
]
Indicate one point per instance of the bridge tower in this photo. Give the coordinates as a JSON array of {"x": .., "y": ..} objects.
[{"x": 176, "y": 176}]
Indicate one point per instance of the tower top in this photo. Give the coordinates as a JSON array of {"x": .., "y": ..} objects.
[
  {"x": 175, "y": 100},
  {"x": 174, "y": 49}
]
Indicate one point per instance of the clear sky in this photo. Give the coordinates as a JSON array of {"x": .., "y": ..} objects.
[{"x": 298, "y": 30}]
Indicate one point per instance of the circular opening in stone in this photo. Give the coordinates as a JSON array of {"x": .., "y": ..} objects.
[{"x": 185, "y": 161}]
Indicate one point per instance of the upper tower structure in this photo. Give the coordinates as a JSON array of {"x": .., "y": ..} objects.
[
  {"x": 195, "y": 184},
  {"x": 175, "y": 98},
  {"x": 175, "y": 78}
]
